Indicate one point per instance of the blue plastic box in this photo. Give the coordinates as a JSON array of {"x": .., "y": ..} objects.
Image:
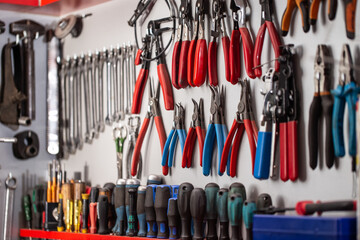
[{"x": 279, "y": 227}]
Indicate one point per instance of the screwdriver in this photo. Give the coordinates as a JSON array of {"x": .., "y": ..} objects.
[
  {"x": 140, "y": 211},
  {"x": 79, "y": 188},
  {"x": 198, "y": 210},
  {"x": 48, "y": 190},
  {"x": 37, "y": 200},
  {"x": 54, "y": 184},
  {"x": 173, "y": 218},
  {"x": 235, "y": 202},
  {"x": 60, "y": 226},
  {"x": 163, "y": 193},
  {"x": 248, "y": 213},
  {"x": 119, "y": 202},
  {"x": 132, "y": 219},
  {"x": 27, "y": 210},
  {"x": 85, "y": 212},
  {"x": 102, "y": 212},
  {"x": 150, "y": 211},
  {"x": 221, "y": 203},
  {"x": 94, "y": 193},
  {"x": 238, "y": 188},
  {"x": 154, "y": 180},
  {"x": 174, "y": 191},
  {"x": 111, "y": 214},
  {"x": 211, "y": 189},
  {"x": 130, "y": 184},
  {"x": 67, "y": 195},
  {"x": 183, "y": 201}
]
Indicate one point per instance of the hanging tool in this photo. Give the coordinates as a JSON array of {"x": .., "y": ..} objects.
[
  {"x": 133, "y": 132},
  {"x": 303, "y": 6},
  {"x": 218, "y": 9},
  {"x": 130, "y": 213},
  {"x": 119, "y": 134},
  {"x": 144, "y": 6},
  {"x": 244, "y": 121},
  {"x": 350, "y": 10},
  {"x": 240, "y": 17},
  {"x": 198, "y": 210},
  {"x": 150, "y": 211},
  {"x": 234, "y": 208},
  {"x": 322, "y": 103},
  {"x": 197, "y": 129},
  {"x": 10, "y": 184},
  {"x": 177, "y": 133},
  {"x": 132, "y": 218},
  {"x": 173, "y": 218},
  {"x": 79, "y": 189},
  {"x": 314, "y": 9},
  {"x": 211, "y": 190},
  {"x": 163, "y": 193},
  {"x": 248, "y": 211},
  {"x": 140, "y": 211},
  {"x": 153, "y": 111},
  {"x": 185, "y": 190},
  {"x": 85, "y": 212},
  {"x": 25, "y": 144},
  {"x": 102, "y": 212},
  {"x": 119, "y": 203},
  {"x": 221, "y": 204},
  {"x": 216, "y": 128},
  {"x": 26, "y": 204},
  {"x": 181, "y": 46},
  {"x": 237, "y": 188},
  {"x": 266, "y": 23},
  {"x": 94, "y": 193},
  {"x": 197, "y": 56},
  {"x": 37, "y": 205}
]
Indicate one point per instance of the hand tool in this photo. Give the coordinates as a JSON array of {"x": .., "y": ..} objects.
[
  {"x": 68, "y": 104},
  {"x": 28, "y": 30},
  {"x": 174, "y": 191},
  {"x": 181, "y": 46},
  {"x": 132, "y": 218},
  {"x": 116, "y": 54},
  {"x": 102, "y": 64},
  {"x": 309, "y": 207},
  {"x": 314, "y": 9},
  {"x": 119, "y": 202},
  {"x": 119, "y": 135},
  {"x": 240, "y": 18},
  {"x": 150, "y": 211},
  {"x": 130, "y": 76},
  {"x": 68, "y": 196},
  {"x": 112, "y": 214},
  {"x": 90, "y": 131},
  {"x": 91, "y": 71},
  {"x": 122, "y": 64},
  {"x": 244, "y": 120},
  {"x": 133, "y": 132},
  {"x": 221, "y": 204},
  {"x": 177, "y": 133},
  {"x": 94, "y": 193},
  {"x": 102, "y": 213},
  {"x": 322, "y": 103},
  {"x": 197, "y": 56},
  {"x": 10, "y": 185},
  {"x": 211, "y": 190},
  {"x": 235, "y": 202},
  {"x": 49, "y": 182},
  {"x": 109, "y": 119},
  {"x": 248, "y": 210},
  {"x": 79, "y": 189},
  {"x": 79, "y": 106},
  {"x": 350, "y": 10},
  {"x": 173, "y": 218},
  {"x": 37, "y": 205},
  {"x": 72, "y": 106},
  {"x": 266, "y": 23},
  {"x": 217, "y": 127},
  {"x": 130, "y": 213},
  {"x": 238, "y": 188},
  {"x": 183, "y": 201},
  {"x": 140, "y": 211},
  {"x": 153, "y": 111},
  {"x": 198, "y": 210},
  {"x": 63, "y": 65},
  {"x": 163, "y": 193},
  {"x": 197, "y": 129},
  {"x": 218, "y": 9},
  {"x": 154, "y": 180},
  {"x": 143, "y": 8},
  {"x": 53, "y": 184},
  {"x": 27, "y": 210},
  {"x": 61, "y": 225},
  {"x": 97, "y": 69},
  {"x": 85, "y": 212},
  {"x": 303, "y": 6}
]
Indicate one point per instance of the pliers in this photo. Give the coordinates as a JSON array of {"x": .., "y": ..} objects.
[
  {"x": 181, "y": 46},
  {"x": 133, "y": 130},
  {"x": 240, "y": 18},
  {"x": 153, "y": 111},
  {"x": 177, "y": 132},
  {"x": 244, "y": 121},
  {"x": 197, "y": 128},
  {"x": 303, "y": 6},
  {"x": 314, "y": 10},
  {"x": 198, "y": 54},
  {"x": 266, "y": 23},
  {"x": 322, "y": 103},
  {"x": 119, "y": 135},
  {"x": 216, "y": 128},
  {"x": 218, "y": 29}
]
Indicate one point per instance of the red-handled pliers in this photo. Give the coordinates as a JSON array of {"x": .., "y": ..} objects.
[
  {"x": 218, "y": 29},
  {"x": 266, "y": 23},
  {"x": 197, "y": 128},
  {"x": 181, "y": 46},
  {"x": 238, "y": 8},
  {"x": 153, "y": 111},
  {"x": 244, "y": 121}
]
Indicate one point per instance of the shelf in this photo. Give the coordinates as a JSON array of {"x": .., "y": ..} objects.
[{"x": 67, "y": 236}]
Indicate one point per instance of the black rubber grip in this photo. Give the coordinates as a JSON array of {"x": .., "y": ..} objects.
[
  {"x": 85, "y": 213},
  {"x": 60, "y": 215},
  {"x": 103, "y": 208},
  {"x": 173, "y": 219},
  {"x": 132, "y": 219},
  {"x": 237, "y": 187},
  {"x": 185, "y": 190},
  {"x": 94, "y": 194},
  {"x": 314, "y": 116},
  {"x": 163, "y": 193},
  {"x": 150, "y": 211},
  {"x": 235, "y": 232},
  {"x": 311, "y": 208},
  {"x": 332, "y": 8},
  {"x": 224, "y": 230},
  {"x": 119, "y": 196},
  {"x": 263, "y": 201},
  {"x": 211, "y": 190},
  {"x": 327, "y": 103},
  {"x": 198, "y": 210},
  {"x": 304, "y": 7}
]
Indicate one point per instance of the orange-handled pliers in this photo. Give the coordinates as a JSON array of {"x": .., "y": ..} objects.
[
  {"x": 314, "y": 10},
  {"x": 303, "y": 6}
]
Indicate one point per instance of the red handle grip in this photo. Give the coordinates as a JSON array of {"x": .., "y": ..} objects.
[
  {"x": 226, "y": 46},
  {"x": 175, "y": 65},
  {"x": 186, "y": 152},
  {"x": 201, "y": 140},
  {"x": 227, "y": 145},
  {"x": 200, "y": 62},
  {"x": 190, "y": 63},
  {"x": 93, "y": 217},
  {"x": 234, "y": 57},
  {"x": 162, "y": 136},
  {"x": 235, "y": 150},
  {"x": 275, "y": 41},
  {"x": 258, "y": 50},
  {"x": 138, "y": 57},
  {"x": 191, "y": 150},
  {"x": 183, "y": 81},
  {"x": 248, "y": 48},
  {"x": 249, "y": 132},
  {"x": 166, "y": 88},
  {"x": 284, "y": 173},
  {"x": 293, "y": 150},
  {"x": 212, "y": 63},
  {"x": 139, "y": 90},
  {"x": 138, "y": 145},
  {"x": 255, "y": 130}
]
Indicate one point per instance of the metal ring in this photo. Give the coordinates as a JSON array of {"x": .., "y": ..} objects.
[{"x": 10, "y": 182}]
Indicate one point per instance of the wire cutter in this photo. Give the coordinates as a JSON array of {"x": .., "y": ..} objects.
[
  {"x": 244, "y": 121},
  {"x": 218, "y": 29},
  {"x": 238, "y": 8},
  {"x": 303, "y": 6},
  {"x": 119, "y": 134},
  {"x": 177, "y": 132},
  {"x": 181, "y": 46},
  {"x": 266, "y": 23},
  {"x": 197, "y": 128},
  {"x": 314, "y": 10},
  {"x": 198, "y": 53},
  {"x": 216, "y": 128},
  {"x": 322, "y": 103},
  {"x": 153, "y": 111}
]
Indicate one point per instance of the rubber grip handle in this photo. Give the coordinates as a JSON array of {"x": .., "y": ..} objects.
[
  {"x": 140, "y": 211},
  {"x": 162, "y": 136},
  {"x": 192, "y": 146},
  {"x": 166, "y": 88},
  {"x": 226, "y": 46},
  {"x": 350, "y": 8},
  {"x": 185, "y": 190},
  {"x": 221, "y": 203},
  {"x": 234, "y": 57},
  {"x": 175, "y": 65},
  {"x": 309, "y": 207},
  {"x": 211, "y": 190},
  {"x": 304, "y": 11},
  {"x": 286, "y": 18},
  {"x": 235, "y": 150},
  {"x": 183, "y": 81},
  {"x": 327, "y": 106},
  {"x": 258, "y": 50},
  {"x": 338, "y": 121},
  {"x": 208, "y": 149},
  {"x": 212, "y": 63},
  {"x": 160, "y": 205},
  {"x": 138, "y": 145},
  {"x": 351, "y": 93},
  {"x": 314, "y": 117},
  {"x": 284, "y": 154},
  {"x": 200, "y": 62},
  {"x": 248, "y": 214},
  {"x": 263, "y": 155},
  {"x": 172, "y": 148},
  {"x": 220, "y": 140},
  {"x": 119, "y": 197},
  {"x": 173, "y": 219},
  {"x": 275, "y": 41},
  {"x": 103, "y": 209},
  {"x": 132, "y": 217},
  {"x": 139, "y": 90},
  {"x": 165, "y": 153},
  {"x": 150, "y": 215},
  {"x": 235, "y": 202},
  {"x": 332, "y": 8},
  {"x": 182, "y": 138},
  {"x": 190, "y": 63},
  {"x": 314, "y": 10},
  {"x": 227, "y": 145},
  {"x": 201, "y": 139},
  {"x": 138, "y": 57},
  {"x": 249, "y": 132},
  {"x": 248, "y": 48},
  {"x": 292, "y": 145},
  {"x": 93, "y": 217},
  {"x": 198, "y": 210},
  {"x": 187, "y": 155}
]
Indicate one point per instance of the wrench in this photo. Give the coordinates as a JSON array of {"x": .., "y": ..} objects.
[
  {"x": 63, "y": 123},
  {"x": 115, "y": 80},
  {"x": 102, "y": 63},
  {"x": 88, "y": 134},
  {"x": 109, "y": 86},
  {"x": 96, "y": 70},
  {"x": 72, "y": 104},
  {"x": 121, "y": 65},
  {"x": 119, "y": 134},
  {"x": 128, "y": 80},
  {"x": 133, "y": 72},
  {"x": 93, "y": 99},
  {"x": 10, "y": 184},
  {"x": 79, "y": 75}
]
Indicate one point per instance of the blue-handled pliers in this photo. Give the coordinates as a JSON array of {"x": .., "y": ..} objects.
[
  {"x": 177, "y": 132},
  {"x": 217, "y": 128}
]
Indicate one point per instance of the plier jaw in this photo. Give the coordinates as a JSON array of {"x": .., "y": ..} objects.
[
  {"x": 345, "y": 68},
  {"x": 266, "y": 10},
  {"x": 179, "y": 116},
  {"x": 153, "y": 105},
  {"x": 322, "y": 69},
  {"x": 217, "y": 100},
  {"x": 185, "y": 20},
  {"x": 238, "y": 8}
]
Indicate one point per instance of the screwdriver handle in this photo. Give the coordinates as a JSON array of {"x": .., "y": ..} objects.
[
  {"x": 221, "y": 203},
  {"x": 102, "y": 212},
  {"x": 150, "y": 211},
  {"x": 61, "y": 225},
  {"x": 248, "y": 213},
  {"x": 130, "y": 184},
  {"x": 85, "y": 212},
  {"x": 309, "y": 207},
  {"x": 235, "y": 202},
  {"x": 27, "y": 210},
  {"x": 132, "y": 218},
  {"x": 93, "y": 217},
  {"x": 163, "y": 193},
  {"x": 198, "y": 211},
  {"x": 173, "y": 218},
  {"x": 238, "y": 188},
  {"x": 211, "y": 190},
  {"x": 119, "y": 202},
  {"x": 183, "y": 201},
  {"x": 140, "y": 211}
]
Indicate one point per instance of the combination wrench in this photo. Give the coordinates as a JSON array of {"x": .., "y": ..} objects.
[
  {"x": 110, "y": 88},
  {"x": 121, "y": 64},
  {"x": 79, "y": 75},
  {"x": 92, "y": 82},
  {"x": 10, "y": 184},
  {"x": 115, "y": 81},
  {"x": 63, "y": 122},
  {"x": 102, "y": 68},
  {"x": 72, "y": 106},
  {"x": 89, "y": 134}
]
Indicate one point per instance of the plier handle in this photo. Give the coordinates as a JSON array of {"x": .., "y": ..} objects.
[
  {"x": 314, "y": 10},
  {"x": 303, "y": 6}
]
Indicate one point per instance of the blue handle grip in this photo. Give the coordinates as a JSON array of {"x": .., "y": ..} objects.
[
  {"x": 225, "y": 134},
  {"x": 172, "y": 148},
  {"x": 119, "y": 224},
  {"x": 174, "y": 191},
  {"x": 338, "y": 121},
  {"x": 208, "y": 149},
  {"x": 248, "y": 213},
  {"x": 182, "y": 138},
  {"x": 263, "y": 155},
  {"x": 166, "y": 148},
  {"x": 220, "y": 143},
  {"x": 351, "y": 92},
  {"x": 142, "y": 225}
]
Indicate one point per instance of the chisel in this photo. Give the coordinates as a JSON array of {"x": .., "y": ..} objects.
[
  {"x": 183, "y": 201},
  {"x": 198, "y": 210}
]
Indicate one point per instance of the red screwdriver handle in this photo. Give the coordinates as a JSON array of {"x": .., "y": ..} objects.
[
  {"x": 162, "y": 137},
  {"x": 201, "y": 140},
  {"x": 234, "y": 57},
  {"x": 175, "y": 65},
  {"x": 200, "y": 62},
  {"x": 138, "y": 57},
  {"x": 226, "y": 46},
  {"x": 183, "y": 81},
  {"x": 166, "y": 88},
  {"x": 248, "y": 48},
  {"x": 309, "y": 207},
  {"x": 293, "y": 150},
  {"x": 283, "y": 138},
  {"x": 227, "y": 145},
  {"x": 138, "y": 145},
  {"x": 93, "y": 217},
  {"x": 190, "y": 63},
  {"x": 212, "y": 63},
  {"x": 139, "y": 90}
]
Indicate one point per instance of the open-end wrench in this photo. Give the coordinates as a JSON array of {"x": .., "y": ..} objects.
[
  {"x": 132, "y": 70},
  {"x": 102, "y": 68},
  {"x": 120, "y": 66},
  {"x": 63, "y": 122},
  {"x": 79, "y": 75},
  {"x": 115, "y": 80},
  {"x": 109, "y": 89},
  {"x": 89, "y": 80},
  {"x": 10, "y": 184},
  {"x": 89, "y": 135},
  {"x": 96, "y": 70},
  {"x": 127, "y": 70},
  {"x": 71, "y": 98},
  {"x": 92, "y": 84}
]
